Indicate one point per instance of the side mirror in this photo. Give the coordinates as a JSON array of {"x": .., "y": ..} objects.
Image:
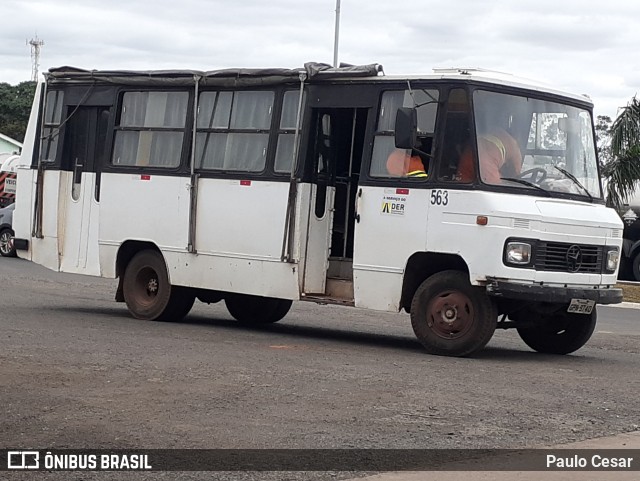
[{"x": 406, "y": 132}]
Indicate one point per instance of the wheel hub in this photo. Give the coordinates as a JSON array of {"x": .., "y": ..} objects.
[
  {"x": 152, "y": 286},
  {"x": 147, "y": 286},
  {"x": 450, "y": 315}
]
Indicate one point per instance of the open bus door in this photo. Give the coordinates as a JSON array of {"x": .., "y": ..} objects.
[{"x": 336, "y": 153}]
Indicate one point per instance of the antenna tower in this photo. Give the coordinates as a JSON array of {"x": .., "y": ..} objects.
[{"x": 36, "y": 45}]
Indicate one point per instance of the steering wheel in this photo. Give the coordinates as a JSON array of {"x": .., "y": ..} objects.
[{"x": 536, "y": 175}]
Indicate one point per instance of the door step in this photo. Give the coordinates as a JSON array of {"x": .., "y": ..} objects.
[
  {"x": 339, "y": 288},
  {"x": 338, "y": 291},
  {"x": 323, "y": 299},
  {"x": 340, "y": 269}
]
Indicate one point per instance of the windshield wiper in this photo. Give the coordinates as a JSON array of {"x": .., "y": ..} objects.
[
  {"x": 575, "y": 181},
  {"x": 527, "y": 183}
]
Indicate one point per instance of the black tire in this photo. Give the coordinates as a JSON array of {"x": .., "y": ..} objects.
[
  {"x": 255, "y": 309},
  {"x": 7, "y": 248},
  {"x": 625, "y": 271},
  {"x": 180, "y": 304},
  {"x": 561, "y": 333},
  {"x": 450, "y": 317},
  {"x": 148, "y": 293},
  {"x": 635, "y": 268}
]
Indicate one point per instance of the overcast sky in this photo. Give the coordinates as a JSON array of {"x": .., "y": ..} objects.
[{"x": 583, "y": 46}]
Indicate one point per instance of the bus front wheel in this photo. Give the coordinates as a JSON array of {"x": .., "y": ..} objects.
[
  {"x": 561, "y": 333},
  {"x": 450, "y": 317},
  {"x": 149, "y": 295},
  {"x": 255, "y": 309}
]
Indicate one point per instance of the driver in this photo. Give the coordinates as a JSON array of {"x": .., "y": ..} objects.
[{"x": 499, "y": 155}]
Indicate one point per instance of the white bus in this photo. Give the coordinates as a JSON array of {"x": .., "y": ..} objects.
[{"x": 261, "y": 187}]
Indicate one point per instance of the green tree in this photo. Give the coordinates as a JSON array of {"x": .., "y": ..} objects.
[
  {"x": 623, "y": 168},
  {"x": 15, "y": 106},
  {"x": 603, "y": 138}
]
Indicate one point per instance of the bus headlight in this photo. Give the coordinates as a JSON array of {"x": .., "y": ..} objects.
[
  {"x": 517, "y": 253},
  {"x": 613, "y": 257}
]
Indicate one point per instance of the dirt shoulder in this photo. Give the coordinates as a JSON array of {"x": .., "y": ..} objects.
[{"x": 631, "y": 291}]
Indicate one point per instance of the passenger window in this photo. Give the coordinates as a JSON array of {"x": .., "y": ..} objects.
[
  {"x": 51, "y": 127},
  {"x": 386, "y": 160},
  {"x": 233, "y": 130},
  {"x": 286, "y": 133},
  {"x": 151, "y": 129}
]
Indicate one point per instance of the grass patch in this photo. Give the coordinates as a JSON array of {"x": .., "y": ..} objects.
[{"x": 631, "y": 291}]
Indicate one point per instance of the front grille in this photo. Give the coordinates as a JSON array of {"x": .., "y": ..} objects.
[{"x": 562, "y": 257}]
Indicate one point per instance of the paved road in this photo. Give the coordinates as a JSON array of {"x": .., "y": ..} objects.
[{"x": 77, "y": 371}]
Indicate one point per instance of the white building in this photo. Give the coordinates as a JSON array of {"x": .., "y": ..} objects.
[{"x": 9, "y": 145}]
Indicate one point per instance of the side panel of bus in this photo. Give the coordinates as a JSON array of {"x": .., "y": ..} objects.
[
  {"x": 392, "y": 227},
  {"x": 43, "y": 250},
  {"x": 240, "y": 226},
  {"x": 237, "y": 217}
]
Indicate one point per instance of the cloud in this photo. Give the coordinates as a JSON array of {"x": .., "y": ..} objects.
[{"x": 577, "y": 45}]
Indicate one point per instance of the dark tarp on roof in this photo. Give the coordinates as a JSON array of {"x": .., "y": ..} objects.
[{"x": 233, "y": 77}]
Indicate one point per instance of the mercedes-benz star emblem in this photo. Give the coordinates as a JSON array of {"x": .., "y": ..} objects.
[
  {"x": 574, "y": 258},
  {"x": 629, "y": 217}
]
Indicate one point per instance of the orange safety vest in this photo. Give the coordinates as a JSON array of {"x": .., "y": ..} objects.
[
  {"x": 400, "y": 164},
  {"x": 466, "y": 169},
  {"x": 498, "y": 143}
]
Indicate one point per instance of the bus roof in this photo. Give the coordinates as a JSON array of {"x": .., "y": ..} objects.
[
  {"x": 312, "y": 72},
  {"x": 225, "y": 77},
  {"x": 501, "y": 78}
]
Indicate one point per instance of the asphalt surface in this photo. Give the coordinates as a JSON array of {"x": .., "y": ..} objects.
[{"x": 76, "y": 371}]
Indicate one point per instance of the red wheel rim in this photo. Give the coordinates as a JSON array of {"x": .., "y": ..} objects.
[{"x": 450, "y": 314}]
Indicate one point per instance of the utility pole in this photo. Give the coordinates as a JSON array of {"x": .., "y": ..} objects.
[
  {"x": 337, "y": 33},
  {"x": 36, "y": 45}
]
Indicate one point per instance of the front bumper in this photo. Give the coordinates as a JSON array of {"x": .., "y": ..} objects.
[{"x": 552, "y": 294}]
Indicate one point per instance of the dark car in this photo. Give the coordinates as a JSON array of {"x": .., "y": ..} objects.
[
  {"x": 630, "y": 263},
  {"x": 7, "y": 248}
]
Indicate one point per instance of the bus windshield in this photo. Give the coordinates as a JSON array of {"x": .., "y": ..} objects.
[{"x": 535, "y": 144}]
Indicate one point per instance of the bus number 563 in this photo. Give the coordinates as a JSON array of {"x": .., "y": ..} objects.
[{"x": 439, "y": 197}]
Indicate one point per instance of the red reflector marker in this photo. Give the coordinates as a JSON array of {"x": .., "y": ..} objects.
[
  {"x": 402, "y": 191},
  {"x": 145, "y": 177},
  {"x": 245, "y": 182}
]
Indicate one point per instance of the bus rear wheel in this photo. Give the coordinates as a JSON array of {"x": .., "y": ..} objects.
[
  {"x": 149, "y": 295},
  {"x": 450, "y": 317},
  {"x": 255, "y": 309},
  {"x": 561, "y": 333}
]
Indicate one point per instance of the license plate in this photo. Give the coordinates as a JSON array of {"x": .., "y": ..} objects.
[{"x": 581, "y": 306}]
